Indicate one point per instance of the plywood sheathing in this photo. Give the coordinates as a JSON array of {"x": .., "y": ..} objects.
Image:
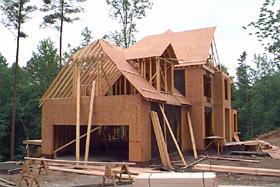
[
  {"x": 221, "y": 105},
  {"x": 189, "y": 46},
  {"x": 130, "y": 110}
]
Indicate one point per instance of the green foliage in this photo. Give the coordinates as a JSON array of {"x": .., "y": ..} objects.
[
  {"x": 60, "y": 10},
  {"x": 86, "y": 35},
  {"x": 126, "y": 12},
  {"x": 33, "y": 81},
  {"x": 5, "y": 103},
  {"x": 15, "y": 13},
  {"x": 268, "y": 25},
  {"x": 256, "y": 96}
]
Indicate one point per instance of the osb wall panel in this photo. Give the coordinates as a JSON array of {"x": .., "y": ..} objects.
[
  {"x": 185, "y": 132},
  {"x": 197, "y": 117},
  {"x": 110, "y": 110},
  {"x": 219, "y": 121},
  {"x": 194, "y": 84}
]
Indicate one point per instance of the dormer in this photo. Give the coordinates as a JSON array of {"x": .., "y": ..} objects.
[{"x": 155, "y": 62}]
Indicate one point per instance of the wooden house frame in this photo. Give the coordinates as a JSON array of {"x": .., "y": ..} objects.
[{"x": 127, "y": 85}]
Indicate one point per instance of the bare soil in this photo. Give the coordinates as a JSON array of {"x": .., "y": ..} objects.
[{"x": 62, "y": 179}]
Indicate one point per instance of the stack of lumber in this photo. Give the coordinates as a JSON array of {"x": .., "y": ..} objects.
[
  {"x": 6, "y": 183},
  {"x": 172, "y": 179},
  {"x": 254, "y": 147}
]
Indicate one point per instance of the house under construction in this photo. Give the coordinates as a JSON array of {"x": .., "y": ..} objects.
[{"x": 174, "y": 71}]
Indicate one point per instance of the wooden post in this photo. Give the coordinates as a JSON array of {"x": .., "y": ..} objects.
[
  {"x": 150, "y": 70},
  {"x": 77, "y": 72},
  {"x": 192, "y": 135},
  {"x": 172, "y": 135},
  {"x": 89, "y": 120},
  {"x": 158, "y": 74},
  {"x": 172, "y": 78},
  {"x": 165, "y": 77}
]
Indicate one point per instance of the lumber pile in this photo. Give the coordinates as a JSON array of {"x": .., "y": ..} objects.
[
  {"x": 254, "y": 147},
  {"x": 170, "y": 179},
  {"x": 6, "y": 183},
  {"x": 240, "y": 170}
]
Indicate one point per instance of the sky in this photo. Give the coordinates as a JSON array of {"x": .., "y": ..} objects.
[{"x": 177, "y": 15}]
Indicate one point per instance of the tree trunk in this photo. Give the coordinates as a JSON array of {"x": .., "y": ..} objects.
[
  {"x": 12, "y": 146},
  {"x": 61, "y": 31}
]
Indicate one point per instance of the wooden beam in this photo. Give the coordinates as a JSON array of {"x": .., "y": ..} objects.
[
  {"x": 192, "y": 135},
  {"x": 77, "y": 77},
  {"x": 150, "y": 70},
  {"x": 89, "y": 120},
  {"x": 158, "y": 74},
  {"x": 235, "y": 169},
  {"x": 233, "y": 159},
  {"x": 71, "y": 142},
  {"x": 172, "y": 79},
  {"x": 172, "y": 135},
  {"x": 80, "y": 162},
  {"x": 165, "y": 77}
]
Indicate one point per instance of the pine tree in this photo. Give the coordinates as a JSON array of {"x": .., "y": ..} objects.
[
  {"x": 16, "y": 13},
  {"x": 59, "y": 12}
]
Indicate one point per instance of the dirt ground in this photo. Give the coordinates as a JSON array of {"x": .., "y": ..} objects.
[{"x": 62, "y": 179}]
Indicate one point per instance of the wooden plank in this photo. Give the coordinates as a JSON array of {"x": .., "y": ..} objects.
[
  {"x": 69, "y": 143},
  {"x": 7, "y": 182},
  {"x": 157, "y": 134},
  {"x": 160, "y": 141},
  {"x": 172, "y": 78},
  {"x": 192, "y": 135},
  {"x": 80, "y": 162},
  {"x": 89, "y": 120},
  {"x": 172, "y": 136},
  {"x": 77, "y": 77},
  {"x": 158, "y": 74},
  {"x": 233, "y": 159},
  {"x": 235, "y": 169}
]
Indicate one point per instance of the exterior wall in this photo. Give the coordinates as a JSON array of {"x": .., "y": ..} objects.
[
  {"x": 194, "y": 91},
  {"x": 222, "y": 116},
  {"x": 130, "y": 110}
]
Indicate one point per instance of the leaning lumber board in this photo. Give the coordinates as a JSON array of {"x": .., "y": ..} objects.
[
  {"x": 89, "y": 120},
  {"x": 234, "y": 169},
  {"x": 192, "y": 135},
  {"x": 80, "y": 162},
  {"x": 172, "y": 135},
  {"x": 69, "y": 143},
  {"x": 233, "y": 159},
  {"x": 159, "y": 143}
]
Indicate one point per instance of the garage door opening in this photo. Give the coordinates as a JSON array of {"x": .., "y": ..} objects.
[{"x": 108, "y": 143}]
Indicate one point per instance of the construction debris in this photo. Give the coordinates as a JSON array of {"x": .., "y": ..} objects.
[{"x": 249, "y": 153}]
